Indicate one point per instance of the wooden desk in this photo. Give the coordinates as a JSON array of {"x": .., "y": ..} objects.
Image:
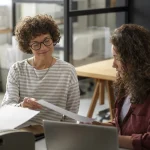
[
  {"x": 41, "y": 145},
  {"x": 35, "y": 129},
  {"x": 104, "y": 74}
]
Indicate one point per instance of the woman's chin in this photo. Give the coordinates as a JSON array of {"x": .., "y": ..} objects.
[{"x": 119, "y": 75}]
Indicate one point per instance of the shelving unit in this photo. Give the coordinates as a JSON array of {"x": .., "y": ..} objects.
[
  {"x": 2, "y": 87},
  {"x": 7, "y": 30}
]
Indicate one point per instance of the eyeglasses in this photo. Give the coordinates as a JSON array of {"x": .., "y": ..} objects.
[{"x": 37, "y": 45}]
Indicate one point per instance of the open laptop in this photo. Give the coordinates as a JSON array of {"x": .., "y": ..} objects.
[{"x": 69, "y": 136}]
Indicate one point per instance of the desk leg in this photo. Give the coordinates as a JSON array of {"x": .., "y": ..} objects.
[
  {"x": 94, "y": 99},
  {"x": 102, "y": 92},
  {"x": 111, "y": 98}
]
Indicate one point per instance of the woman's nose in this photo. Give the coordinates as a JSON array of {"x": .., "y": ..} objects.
[
  {"x": 114, "y": 64},
  {"x": 42, "y": 46}
]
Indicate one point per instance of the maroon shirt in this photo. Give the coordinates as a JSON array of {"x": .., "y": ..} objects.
[{"x": 136, "y": 123}]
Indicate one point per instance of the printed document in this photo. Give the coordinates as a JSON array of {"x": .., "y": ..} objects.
[
  {"x": 65, "y": 112},
  {"x": 11, "y": 117}
]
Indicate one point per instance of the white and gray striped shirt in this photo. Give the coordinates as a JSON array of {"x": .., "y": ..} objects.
[{"x": 57, "y": 85}]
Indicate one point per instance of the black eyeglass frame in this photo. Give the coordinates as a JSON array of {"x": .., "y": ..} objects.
[{"x": 43, "y": 44}]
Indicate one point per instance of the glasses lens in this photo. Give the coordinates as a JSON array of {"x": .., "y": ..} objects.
[
  {"x": 47, "y": 42},
  {"x": 35, "y": 46}
]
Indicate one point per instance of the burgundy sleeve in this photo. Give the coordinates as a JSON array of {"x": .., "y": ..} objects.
[{"x": 141, "y": 141}]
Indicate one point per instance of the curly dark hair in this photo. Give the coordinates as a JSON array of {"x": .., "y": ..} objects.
[
  {"x": 31, "y": 27},
  {"x": 132, "y": 44}
]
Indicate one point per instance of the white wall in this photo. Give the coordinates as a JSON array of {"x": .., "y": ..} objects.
[{"x": 5, "y": 20}]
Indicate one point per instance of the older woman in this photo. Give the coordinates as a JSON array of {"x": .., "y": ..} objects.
[
  {"x": 41, "y": 76},
  {"x": 131, "y": 51}
]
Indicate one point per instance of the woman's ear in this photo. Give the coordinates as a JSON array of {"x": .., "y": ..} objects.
[
  {"x": 54, "y": 43},
  {"x": 29, "y": 51}
]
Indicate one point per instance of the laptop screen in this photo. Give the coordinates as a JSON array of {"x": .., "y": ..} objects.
[{"x": 70, "y": 136}]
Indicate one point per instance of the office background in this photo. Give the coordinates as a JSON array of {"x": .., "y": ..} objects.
[{"x": 85, "y": 27}]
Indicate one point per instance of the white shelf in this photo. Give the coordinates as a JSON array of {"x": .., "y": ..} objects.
[{"x": 7, "y": 30}]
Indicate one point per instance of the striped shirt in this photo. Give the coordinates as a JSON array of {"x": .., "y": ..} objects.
[{"x": 57, "y": 85}]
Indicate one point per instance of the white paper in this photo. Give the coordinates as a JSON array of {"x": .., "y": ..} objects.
[
  {"x": 12, "y": 117},
  {"x": 66, "y": 113}
]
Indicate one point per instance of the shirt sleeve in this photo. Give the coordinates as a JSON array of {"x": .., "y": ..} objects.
[
  {"x": 11, "y": 96},
  {"x": 141, "y": 141},
  {"x": 73, "y": 97}
]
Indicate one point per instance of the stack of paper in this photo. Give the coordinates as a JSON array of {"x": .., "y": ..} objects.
[{"x": 11, "y": 117}]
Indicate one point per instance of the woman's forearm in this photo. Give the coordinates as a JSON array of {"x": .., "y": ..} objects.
[{"x": 125, "y": 142}]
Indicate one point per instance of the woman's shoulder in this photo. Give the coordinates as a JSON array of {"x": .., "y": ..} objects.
[
  {"x": 65, "y": 67},
  {"x": 64, "y": 64},
  {"x": 19, "y": 64}
]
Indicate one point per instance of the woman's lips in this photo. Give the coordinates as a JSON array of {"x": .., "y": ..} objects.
[{"x": 43, "y": 52}]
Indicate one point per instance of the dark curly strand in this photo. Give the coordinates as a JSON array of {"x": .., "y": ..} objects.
[
  {"x": 30, "y": 27},
  {"x": 132, "y": 43}
]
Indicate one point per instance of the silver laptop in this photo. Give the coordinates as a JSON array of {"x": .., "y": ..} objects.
[{"x": 69, "y": 136}]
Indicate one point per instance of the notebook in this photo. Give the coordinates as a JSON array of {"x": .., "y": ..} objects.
[{"x": 70, "y": 136}]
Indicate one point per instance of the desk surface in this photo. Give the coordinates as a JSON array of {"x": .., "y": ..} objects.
[
  {"x": 98, "y": 70},
  {"x": 40, "y": 145}
]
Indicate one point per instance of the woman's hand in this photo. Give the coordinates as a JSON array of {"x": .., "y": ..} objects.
[
  {"x": 96, "y": 123},
  {"x": 30, "y": 103},
  {"x": 125, "y": 142}
]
